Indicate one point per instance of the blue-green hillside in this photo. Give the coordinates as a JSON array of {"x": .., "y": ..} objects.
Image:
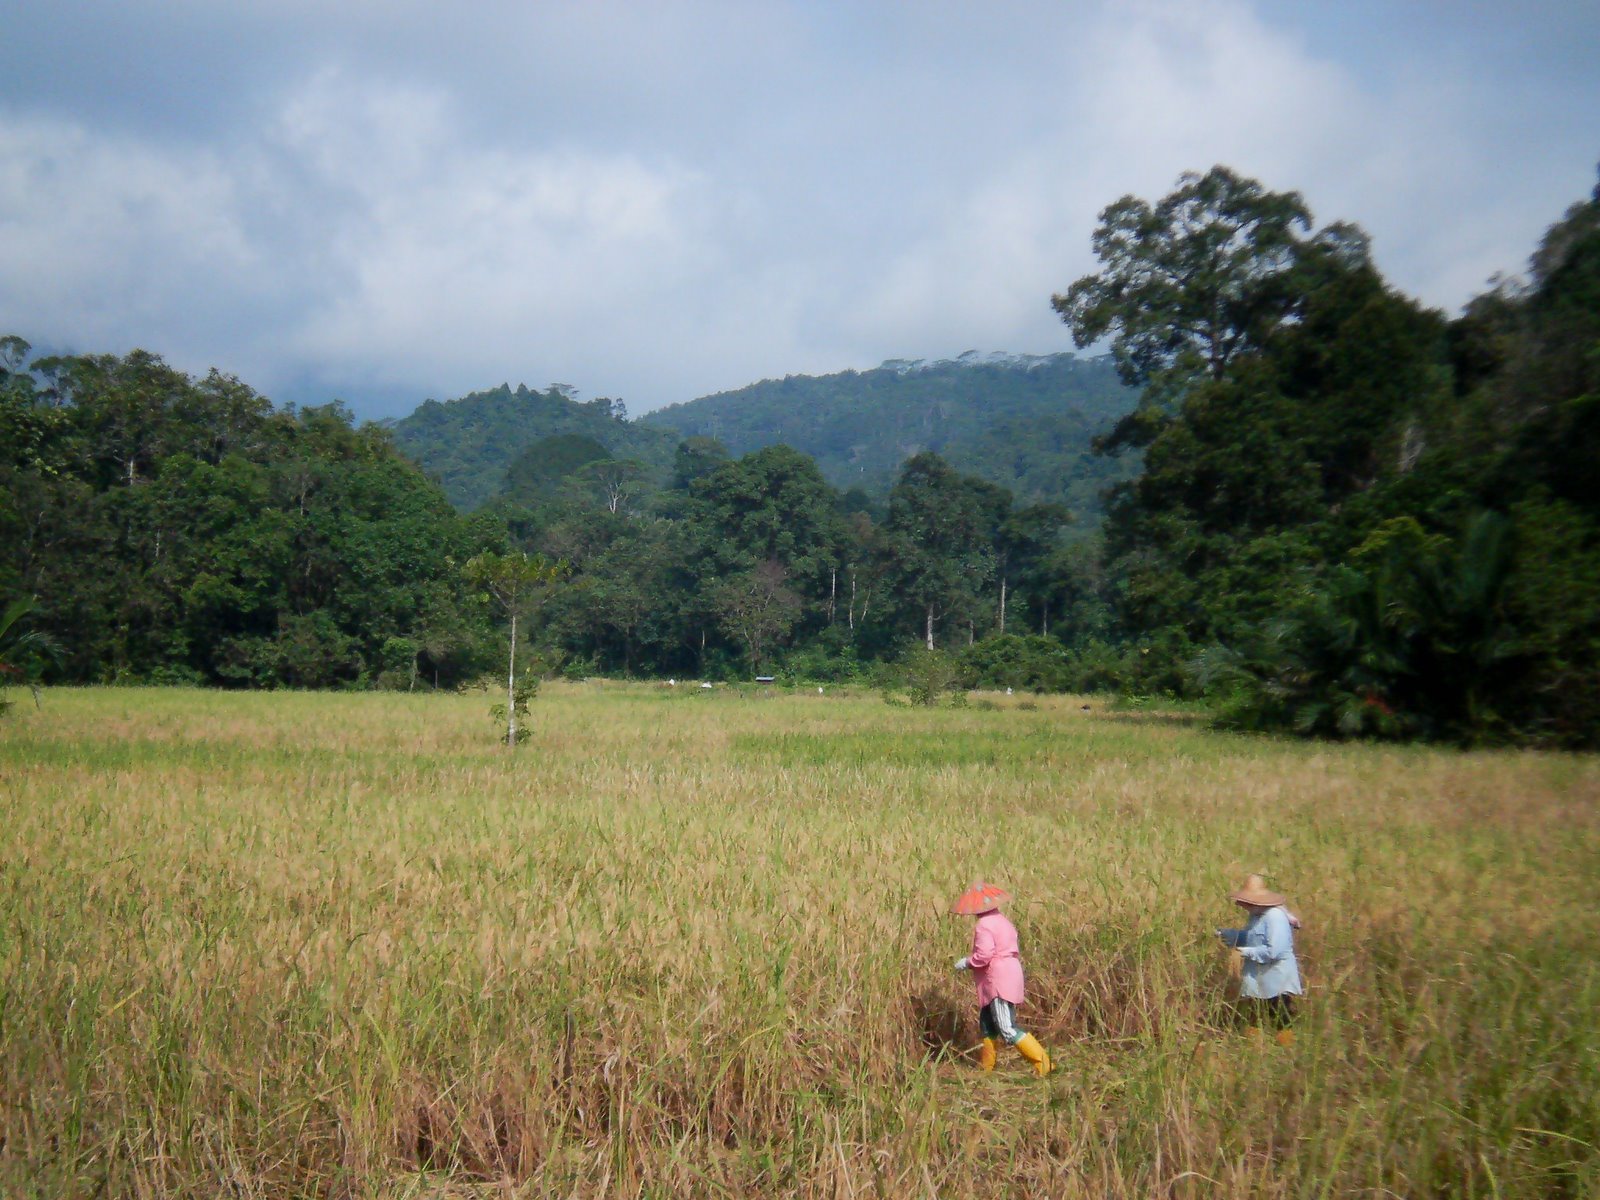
[{"x": 1024, "y": 422}]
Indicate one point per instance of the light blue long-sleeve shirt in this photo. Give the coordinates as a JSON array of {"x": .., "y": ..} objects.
[{"x": 1267, "y": 945}]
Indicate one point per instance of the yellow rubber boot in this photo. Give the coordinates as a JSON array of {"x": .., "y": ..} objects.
[
  {"x": 986, "y": 1054},
  {"x": 1031, "y": 1050}
]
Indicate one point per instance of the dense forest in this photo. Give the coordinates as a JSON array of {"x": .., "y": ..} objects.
[
  {"x": 469, "y": 444},
  {"x": 175, "y": 530},
  {"x": 1331, "y": 510},
  {"x": 1024, "y": 422},
  {"x": 1354, "y": 515},
  {"x": 1027, "y": 423}
]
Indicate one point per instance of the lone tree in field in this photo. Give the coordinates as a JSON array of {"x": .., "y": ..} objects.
[{"x": 517, "y": 582}]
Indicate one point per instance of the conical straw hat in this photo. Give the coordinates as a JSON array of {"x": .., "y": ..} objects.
[
  {"x": 1255, "y": 891},
  {"x": 979, "y": 898}
]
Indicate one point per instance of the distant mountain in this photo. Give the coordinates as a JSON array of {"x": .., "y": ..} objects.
[
  {"x": 1022, "y": 421},
  {"x": 468, "y": 443}
]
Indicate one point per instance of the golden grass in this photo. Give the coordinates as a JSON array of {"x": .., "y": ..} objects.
[{"x": 684, "y": 944}]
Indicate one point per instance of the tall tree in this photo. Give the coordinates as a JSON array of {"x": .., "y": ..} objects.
[
  {"x": 617, "y": 481},
  {"x": 772, "y": 505},
  {"x": 1189, "y": 283},
  {"x": 940, "y": 533},
  {"x": 1022, "y": 539},
  {"x": 1282, "y": 378},
  {"x": 757, "y": 607}
]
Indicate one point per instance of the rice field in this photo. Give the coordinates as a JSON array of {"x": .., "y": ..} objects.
[{"x": 694, "y": 944}]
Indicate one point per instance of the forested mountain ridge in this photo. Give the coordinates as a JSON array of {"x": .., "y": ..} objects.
[
  {"x": 467, "y": 444},
  {"x": 1024, "y": 422}
]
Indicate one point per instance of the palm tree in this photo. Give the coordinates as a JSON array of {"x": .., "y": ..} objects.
[
  {"x": 1449, "y": 616},
  {"x": 1415, "y": 646}
]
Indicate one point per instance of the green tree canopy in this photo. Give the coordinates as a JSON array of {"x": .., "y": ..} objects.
[
  {"x": 1189, "y": 283},
  {"x": 772, "y": 505},
  {"x": 537, "y": 474},
  {"x": 940, "y": 540}
]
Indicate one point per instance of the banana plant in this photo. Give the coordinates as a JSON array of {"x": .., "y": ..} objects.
[{"x": 22, "y": 651}]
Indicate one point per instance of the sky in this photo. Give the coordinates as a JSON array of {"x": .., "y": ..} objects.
[{"x": 382, "y": 201}]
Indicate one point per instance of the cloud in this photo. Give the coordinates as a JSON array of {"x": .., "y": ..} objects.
[
  {"x": 657, "y": 201},
  {"x": 450, "y": 250},
  {"x": 1144, "y": 92},
  {"x": 96, "y": 234},
  {"x": 359, "y": 235},
  {"x": 1148, "y": 90}
]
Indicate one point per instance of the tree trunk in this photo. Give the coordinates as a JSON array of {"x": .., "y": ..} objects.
[
  {"x": 1002, "y": 605},
  {"x": 833, "y": 592},
  {"x": 929, "y": 627},
  {"x": 511, "y": 690}
]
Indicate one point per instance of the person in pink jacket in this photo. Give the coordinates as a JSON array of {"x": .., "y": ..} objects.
[{"x": 996, "y": 967}]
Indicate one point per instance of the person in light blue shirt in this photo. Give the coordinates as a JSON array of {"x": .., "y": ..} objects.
[{"x": 1268, "y": 973}]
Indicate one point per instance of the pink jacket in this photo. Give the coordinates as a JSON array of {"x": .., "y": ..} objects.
[{"x": 994, "y": 961}]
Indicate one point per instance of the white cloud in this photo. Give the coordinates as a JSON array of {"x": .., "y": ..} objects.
[
  {"x": 659, "y": 201},
  {"x": 1155, "y": 88},
  {"x": 1145, "y": 92},
  {"x": 457, "y": 254},
  {"x": 102, "y": 241}
]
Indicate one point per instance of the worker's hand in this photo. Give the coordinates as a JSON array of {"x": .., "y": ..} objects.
[{"x": 961, "y": 964}]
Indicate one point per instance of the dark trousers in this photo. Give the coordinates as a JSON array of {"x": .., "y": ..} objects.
[{"x": 1277, "y": 1012}]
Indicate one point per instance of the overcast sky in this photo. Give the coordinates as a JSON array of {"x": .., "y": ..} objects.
[{"x": 387, "y": 201}]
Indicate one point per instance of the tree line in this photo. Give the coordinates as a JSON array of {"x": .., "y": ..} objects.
[
  {"x": 1348, "y": 514},
  {"x": 175, "y": 530}
]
